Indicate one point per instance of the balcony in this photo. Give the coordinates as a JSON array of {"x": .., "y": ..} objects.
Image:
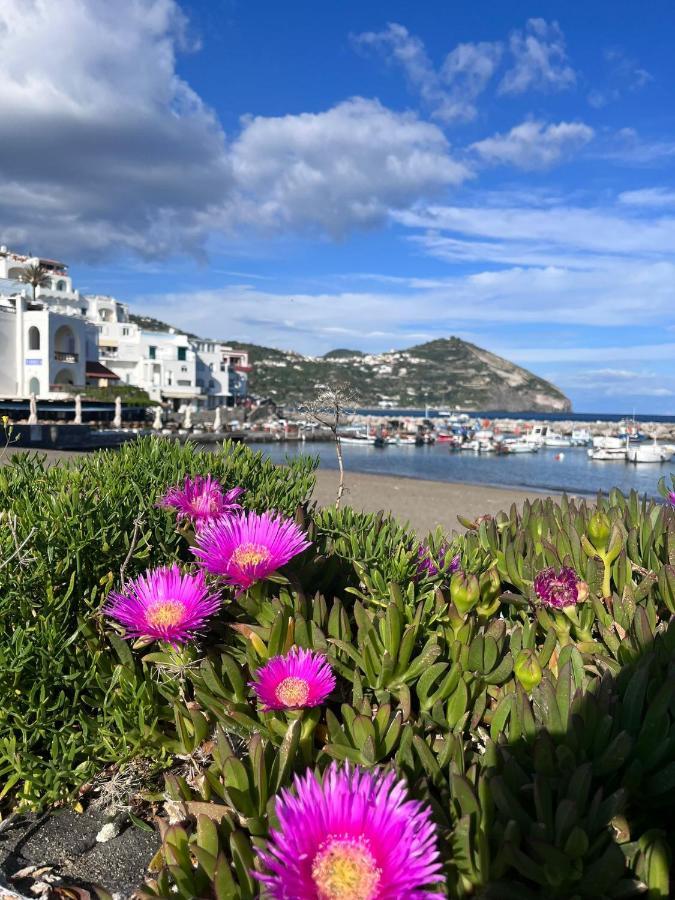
[{"x": 60, "y": 356}]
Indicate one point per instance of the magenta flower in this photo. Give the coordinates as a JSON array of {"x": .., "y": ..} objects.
[
  {"x": 671, "y": 498},
  {"x": 202, "y": 499},
  {"x": 297, "y": 680},
  {"x": 164, "y": 605},
  {"x": 353, "y": 835},
  {"x": 560, "y": 589},
  {"x": 428, "y": 567},
  {"x": 248, "y": 547}
]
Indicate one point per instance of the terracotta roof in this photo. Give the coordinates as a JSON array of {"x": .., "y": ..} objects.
[{"x": 97, "y": 370}]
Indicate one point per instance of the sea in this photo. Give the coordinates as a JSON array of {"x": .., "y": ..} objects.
[{"x": 552, "y": 469}]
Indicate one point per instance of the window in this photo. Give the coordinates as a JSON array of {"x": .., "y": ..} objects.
[
  {"x": 182, "y": 353},
  {"x": 183, "y": 368},
  {"x": 184, "y": 382},
  {"x": 125, "y": 332},
  {"x": 210, "y": 367},
  {"x": 34, "y": 386},
  {"x": 33, "y": 339},
  {"x": 152, "y": 352},
  {"x": 61, "y": 285}
]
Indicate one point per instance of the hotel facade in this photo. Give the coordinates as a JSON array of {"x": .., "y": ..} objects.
[{"x": 55, "y": 341}]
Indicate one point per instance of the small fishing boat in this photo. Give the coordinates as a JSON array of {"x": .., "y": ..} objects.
[
  {"x": 649, "y": 453},
  {"x": 521, "y": 447}
]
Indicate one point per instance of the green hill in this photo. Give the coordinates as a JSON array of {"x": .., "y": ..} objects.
[{"x": 447, "y": 372}]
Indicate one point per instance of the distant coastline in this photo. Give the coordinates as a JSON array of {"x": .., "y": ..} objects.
[{"x": 524, "y": 414}]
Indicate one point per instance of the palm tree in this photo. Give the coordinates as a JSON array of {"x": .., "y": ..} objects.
[{"x": 36, "y": 275}]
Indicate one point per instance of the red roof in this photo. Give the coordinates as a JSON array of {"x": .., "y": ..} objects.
[{"x": 97, "y": 370}]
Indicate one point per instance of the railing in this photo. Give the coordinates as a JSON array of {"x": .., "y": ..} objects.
[{"x": 60, "y": 356}]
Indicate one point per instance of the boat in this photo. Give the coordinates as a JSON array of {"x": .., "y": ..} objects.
[
  {"x": 543, "y": 436},
  {"x": 649, "y": 453},
  {"x": 607, "y": 454},
  {"x": 553, "y": 439},
  {"x": 581, "y": 437},
  {"x": 521, "y": 447}
]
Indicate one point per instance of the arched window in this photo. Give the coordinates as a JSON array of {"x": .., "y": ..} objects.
[
  {"x": 60, "y": 286},
  {"x": 34, "y": 386},
  {"x": 33, "y": 338}
]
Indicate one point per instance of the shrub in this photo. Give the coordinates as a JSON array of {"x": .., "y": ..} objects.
[
  {"x": 519, "y": 677},
  {"x": 69, "y": 704}
]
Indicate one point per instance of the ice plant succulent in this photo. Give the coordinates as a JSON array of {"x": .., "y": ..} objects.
[
  {"x": 429, "y": 567},
  {"x": 297, "y": 680},
  {"x": 560, "y": 589},
  {"x": 164, "y": 604},
  {"x": 671, "y": 498},
  {"x": 201, "y": 499},
  {"x": 248, "y": 547},
  {"x": 352, "y": 835}
]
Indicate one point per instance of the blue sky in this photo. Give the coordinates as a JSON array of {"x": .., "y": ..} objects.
[{"x": 319, "y": 175}]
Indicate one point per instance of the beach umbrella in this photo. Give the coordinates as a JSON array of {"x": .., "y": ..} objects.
[
  {"x": 157, "y": 422},
  {"x": 217, "y": 421},
  {"x": 78, "y": 410},
  {"x": 187, "y": 421}
]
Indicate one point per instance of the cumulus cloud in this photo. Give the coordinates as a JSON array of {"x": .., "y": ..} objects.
[
  {"x": 106, "y": 149},
  {"x": 451, "y": 91},
  {"x": 102, "y": 143},
  {"x": 339, "y": 169},
  {"x": 539, "y": 60},
  {"x": 533, "y": 144}
]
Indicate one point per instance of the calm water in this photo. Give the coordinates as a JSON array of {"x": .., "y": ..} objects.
[{"x": 541, "y": 471}]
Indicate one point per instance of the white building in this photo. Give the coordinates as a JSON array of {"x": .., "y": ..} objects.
[
  {"x": 167, "y": 364},
  {"x": 54, "y": 339},
  {"x": 46, "y": 341}
]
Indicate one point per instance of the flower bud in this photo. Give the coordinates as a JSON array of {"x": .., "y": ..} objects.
[
  {"x": 527, "y": 670},
  {"x": 599, "y": 530},
  {"x": 490, "y": 586},
  {"x": 464, "y": 591},
  {"x": 582, "y": 591}
]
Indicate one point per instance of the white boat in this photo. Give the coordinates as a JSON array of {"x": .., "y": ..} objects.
[
  {"x": 607, "y": 454},
  {"x": 543, "y": 436},
  {"x": 649, "y": 453},
  {"x": 608, "y": 442},
  {"x": 363, "y": 440},
  {"x": 581, "y": 437},
  {"x": 521, "y": 447},
  {"x": 553, "y": 439}
]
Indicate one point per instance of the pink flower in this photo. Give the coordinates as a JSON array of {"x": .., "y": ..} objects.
[
  {"x": 352, "y": 835},
  {"x": 248, "y": 547},
  {"x": 202, "y": 500},
  {"x": 560, "y": 589},
  {"x": 297, "y": 680},
  {"x": 164, "y": 605},
  {"x": 671, "y": 498}
]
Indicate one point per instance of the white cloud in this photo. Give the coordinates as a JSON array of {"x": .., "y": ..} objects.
[
  {"x": 648, "y": 197},
  {"x": 534, "y": 145},
  {"x": 540, "y": 60},
  {"x": 628, "y": 147},
  {"x": 102, "y": 143},
  {"x": 576, "y": 230},
  {"x": 336, "y": 170},
  {"x": 450, "y": 92}
]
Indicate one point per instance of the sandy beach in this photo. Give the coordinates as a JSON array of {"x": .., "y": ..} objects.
[{"x": 424, "y": 504}]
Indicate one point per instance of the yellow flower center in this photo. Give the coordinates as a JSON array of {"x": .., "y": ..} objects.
[
  {"x": 250, "y": 554},
  {"x": 165, "y": 613},
  {"x": 345, "y": 869},
  {"x": 292, "y": 691}
]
